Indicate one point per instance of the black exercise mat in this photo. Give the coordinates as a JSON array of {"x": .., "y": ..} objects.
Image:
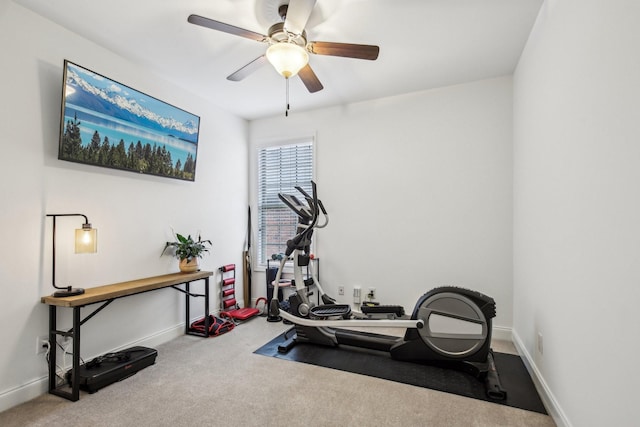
[{"x": 515, "y": 379}]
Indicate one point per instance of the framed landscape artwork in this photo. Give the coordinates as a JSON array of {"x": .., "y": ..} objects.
[{"x": 106, "y": 123}]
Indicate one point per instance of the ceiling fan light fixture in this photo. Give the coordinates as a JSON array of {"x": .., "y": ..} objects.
[{"x": 287, "y": 58}]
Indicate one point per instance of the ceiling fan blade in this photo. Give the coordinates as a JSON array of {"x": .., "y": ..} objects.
[
  {"x": 298, "y": 13},
  {"x": 348, "y": 50},
  {"x": 221, "y": 26},
  {"x": 248, "y": 69},
  {"x": 310, "y": 79}
]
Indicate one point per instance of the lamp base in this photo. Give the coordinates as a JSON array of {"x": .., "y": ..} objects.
[{"x": 68, "y": 292}]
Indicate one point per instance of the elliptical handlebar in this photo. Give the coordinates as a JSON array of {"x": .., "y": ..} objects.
[
  {"x": 313, "y": 201},
  {"x": 313, "y": 205},
  {"x": 316, "y": 206},
  {"x": 307, "y": 217},
  {"x": 324, "y": 211}
]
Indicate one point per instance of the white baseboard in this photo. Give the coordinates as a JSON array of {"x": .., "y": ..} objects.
[
  {"x": 501, "y": 333},
  {"x": 31, "y": 390},
  {"x": 157, "y": 338},
  {"x": 548, "y": 399},
  {"x": 23, "y": 393}
]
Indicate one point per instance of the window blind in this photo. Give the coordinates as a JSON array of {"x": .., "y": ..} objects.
[{"x": 280, "y": 170}]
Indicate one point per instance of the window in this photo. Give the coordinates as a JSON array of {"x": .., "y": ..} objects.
[{"x": 280, "y": 169}]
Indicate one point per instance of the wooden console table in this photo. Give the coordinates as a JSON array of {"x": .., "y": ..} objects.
[{"x": 106, "y": 295}]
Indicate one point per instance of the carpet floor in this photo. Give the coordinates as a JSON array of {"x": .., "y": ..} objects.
[{"x": 221, "y": 381}]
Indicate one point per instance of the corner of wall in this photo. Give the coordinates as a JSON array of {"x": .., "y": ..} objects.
[{"x": 548, "y": 399}]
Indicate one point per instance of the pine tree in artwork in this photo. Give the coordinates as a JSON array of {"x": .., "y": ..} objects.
[
  {"x": 177, "y": 172},
  {"x": 71, "y": 144},
  {"x": 104, "y": 152},
  {"x": 189, "y": 165},
  {"x": 93, "y": 150},
  {"x": 119, "y": 155}
]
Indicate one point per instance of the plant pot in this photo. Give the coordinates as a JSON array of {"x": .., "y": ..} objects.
[{"x": 189, "y": 266}]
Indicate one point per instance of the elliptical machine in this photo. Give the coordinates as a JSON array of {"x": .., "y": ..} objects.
[{"x": 449, "y": 326}]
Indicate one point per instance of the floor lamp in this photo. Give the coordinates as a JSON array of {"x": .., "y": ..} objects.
[{"x": 86, "y": 241}]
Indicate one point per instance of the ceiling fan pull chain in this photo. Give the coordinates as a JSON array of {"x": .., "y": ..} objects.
[{"x": 286, "y": 112}]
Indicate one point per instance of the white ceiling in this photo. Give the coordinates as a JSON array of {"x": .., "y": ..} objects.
[{"x": 424, "y": 44}]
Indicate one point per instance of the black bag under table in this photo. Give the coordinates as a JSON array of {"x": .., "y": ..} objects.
[{"x": 112, "y": 367}]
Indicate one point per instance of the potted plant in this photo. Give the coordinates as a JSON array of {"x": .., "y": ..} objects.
[{"x": 188, "y": 251}]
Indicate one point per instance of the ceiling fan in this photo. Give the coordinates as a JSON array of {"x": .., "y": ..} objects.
[{"x": 289, "y": 48}]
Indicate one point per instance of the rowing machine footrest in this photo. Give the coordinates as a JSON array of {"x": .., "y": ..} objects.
[{"x": 330, "y": 310}]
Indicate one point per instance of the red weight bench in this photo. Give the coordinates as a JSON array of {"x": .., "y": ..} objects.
[{"x": 229, "y": 305}]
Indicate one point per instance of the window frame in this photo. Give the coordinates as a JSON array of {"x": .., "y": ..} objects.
[{"x": 255, "y": 180}]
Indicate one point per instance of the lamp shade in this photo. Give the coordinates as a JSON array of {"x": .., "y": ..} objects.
[
  {"x": 287, "y": 58},
  {"x": 86, "y": 240}
]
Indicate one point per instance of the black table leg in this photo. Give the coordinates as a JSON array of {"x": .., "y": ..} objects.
[
  {"x": 207, "y": 320},
  {"x": 52, "y": 348},
  {"x": 74, "y": 395},
  {"x": 186, "y": 309},
  {"x": 75, "y": 370}
]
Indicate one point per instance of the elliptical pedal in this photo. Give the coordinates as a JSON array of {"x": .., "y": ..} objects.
[
  {"x": 391, "y": 311},
  {"x": 330, "y": 310}
]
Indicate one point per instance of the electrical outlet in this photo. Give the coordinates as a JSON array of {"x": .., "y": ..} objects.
[
  {"x": 372, "y": 293},
  {"x": 356, "y": 294},
  {"x": 540, "y": 347},
  {"x": 340, "y": 290},
  {"x": 42, "y": 343}
]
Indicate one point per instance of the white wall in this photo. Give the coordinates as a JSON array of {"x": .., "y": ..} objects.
[
  {"x": 132, "y": 213},
  {"x": 576, "y": 227},
  {"x": 418, "y": 189}
]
